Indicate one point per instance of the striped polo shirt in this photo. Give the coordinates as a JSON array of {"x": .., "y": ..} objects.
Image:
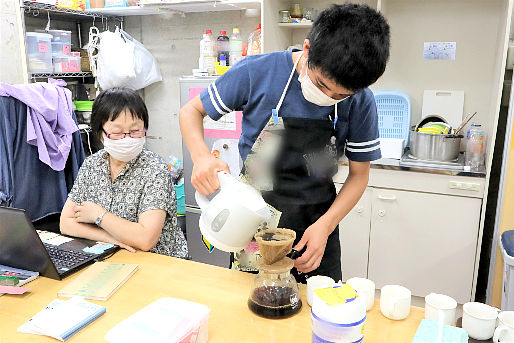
[{"x": 254, "y": 85}]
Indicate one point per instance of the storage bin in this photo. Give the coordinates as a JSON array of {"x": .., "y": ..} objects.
[
  {"x": 60, "y": 64},
  {"x": 39, "y": 52},
  {"x": 507, "y": 249},
  {"x": 61, "y": 36},
  {"x": 84, "y": 61},
  {"x": 74, "y": 64},
  {"x": 59, "y": 48},
  {"x": 72, "y": 4},
  {"x": 115, "y": 3},
  {"x": 394, "y": 112}
]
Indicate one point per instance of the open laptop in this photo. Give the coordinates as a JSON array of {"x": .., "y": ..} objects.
[{"x": 55, "y": 257}]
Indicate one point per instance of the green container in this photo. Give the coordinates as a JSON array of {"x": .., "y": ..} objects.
[{"x": 84, "y": 106}]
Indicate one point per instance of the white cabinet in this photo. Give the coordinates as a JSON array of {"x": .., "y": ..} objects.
[
  {"x": 425, "y": 242},
  {"x": 354, "y": 238}
]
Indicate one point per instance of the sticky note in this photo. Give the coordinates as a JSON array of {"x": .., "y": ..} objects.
[
  {"x": 337, "y": 295},
  {"x": 13, "y": 289}
]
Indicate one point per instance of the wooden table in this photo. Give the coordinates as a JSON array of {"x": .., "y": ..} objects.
[{"x": 224, "y": 291}]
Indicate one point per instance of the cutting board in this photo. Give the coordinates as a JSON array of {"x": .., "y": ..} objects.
[{"x": 447, "y": 104}]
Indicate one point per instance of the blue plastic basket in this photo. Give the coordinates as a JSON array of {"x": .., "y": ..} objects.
[{"x": 393, "y": 108}]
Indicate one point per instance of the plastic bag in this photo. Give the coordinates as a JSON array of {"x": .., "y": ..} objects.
[
  {"x": 115, "y": 64},
  {"x": 124, "y": 62},
  {"x": 254, "y": 42},
  {"x": 176, "y": 167},
  {"x": 145, "y": 66}
]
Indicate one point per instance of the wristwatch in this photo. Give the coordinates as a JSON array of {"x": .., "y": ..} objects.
[{"x": 99, "y": 219}]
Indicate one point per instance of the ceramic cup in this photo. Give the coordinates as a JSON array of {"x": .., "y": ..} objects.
[
  {"x": 504, "y": 333},
  {"x": 479, "y": 320},
  {"x": 395, "y": 302},
  {"x": 365, "y": 288},
  {"x": 440, "y": 307},
  {"x": 317, "y": 282}
]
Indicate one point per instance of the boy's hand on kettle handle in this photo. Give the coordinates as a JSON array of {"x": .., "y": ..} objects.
[{"x": 204, "y": 177}]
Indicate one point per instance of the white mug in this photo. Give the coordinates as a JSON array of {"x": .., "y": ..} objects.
[
  {"x": 365, "y": 288},
  {"x": 395, "y": 302},
  {"x": 440, "y": 307},
  {"x": 504, "y": 333},
  {"x": 479, "y": 320},
  {"x": 317, "y": 282}
]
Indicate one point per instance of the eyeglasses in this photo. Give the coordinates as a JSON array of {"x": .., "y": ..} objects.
[{"x": 121, "y": 135}]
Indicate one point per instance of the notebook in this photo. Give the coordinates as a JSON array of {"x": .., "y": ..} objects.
[
  {"x": 99, "y": 281},
  {"x": 62, "y": 319}
]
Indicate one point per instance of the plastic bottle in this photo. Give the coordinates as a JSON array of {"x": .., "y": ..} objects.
[
  {"x": 475, "y": 147},
  {"x": 223, "y": 60},
  {"x": 236, "y": 47},
  {"x": 207, "y": 53},
  {"x": 223, "y": 46}
]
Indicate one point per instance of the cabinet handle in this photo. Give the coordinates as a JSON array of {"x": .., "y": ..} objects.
[{"x": 392, "y": 198}]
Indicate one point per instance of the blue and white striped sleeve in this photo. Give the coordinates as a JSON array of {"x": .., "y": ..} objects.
[
  {"x": 228, "y": 93},
  {"x": 362, "y": 143}
]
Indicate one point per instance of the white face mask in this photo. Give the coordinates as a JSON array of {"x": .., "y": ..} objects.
[
  {"x": 125, "y": 149},
  {"x": 312, "y": 93}
]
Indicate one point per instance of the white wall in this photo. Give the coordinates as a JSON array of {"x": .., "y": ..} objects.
[{"x": 174, "y": 42}]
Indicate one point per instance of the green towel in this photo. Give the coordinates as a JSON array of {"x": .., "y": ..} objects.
[{"x": 428, "y": 332}]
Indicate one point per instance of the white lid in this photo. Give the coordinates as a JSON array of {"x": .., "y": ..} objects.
[
  {"x": 347, "y": 313},
  {"x": 40, "y": 35}
]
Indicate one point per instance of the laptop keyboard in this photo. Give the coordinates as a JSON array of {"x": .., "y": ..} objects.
[{"x": 66, "y": 258}]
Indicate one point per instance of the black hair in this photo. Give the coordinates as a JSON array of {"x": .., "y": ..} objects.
[
  {"x": 111, "y": 102},
  {"x": 350, "y": 45}
]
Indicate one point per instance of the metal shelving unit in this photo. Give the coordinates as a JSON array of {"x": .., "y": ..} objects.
[
  {"x": 82, "y": 74},
  {"x": 36, "y": 8}
]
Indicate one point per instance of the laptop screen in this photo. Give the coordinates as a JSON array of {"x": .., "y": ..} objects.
[{"x": 20, "y": 246}]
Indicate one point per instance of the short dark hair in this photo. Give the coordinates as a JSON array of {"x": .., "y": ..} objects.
[
  {"x": 350, "y": 45},
  {"x": 111, "y": 102}
]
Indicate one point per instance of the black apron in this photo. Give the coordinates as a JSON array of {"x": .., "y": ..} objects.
[{"x": 302, "y": 187}]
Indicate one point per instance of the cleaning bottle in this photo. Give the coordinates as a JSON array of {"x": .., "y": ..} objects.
[
  {"x": 475, "y": 156},
  {"x": 236, "y": 47},
  {"x": 223, "y": 46},
  {"x": 207, "y": 53}
]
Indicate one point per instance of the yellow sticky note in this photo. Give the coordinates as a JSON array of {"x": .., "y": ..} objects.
[{"x": 336, "y": 296}]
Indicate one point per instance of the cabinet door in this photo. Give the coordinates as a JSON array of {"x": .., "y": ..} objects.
[
  {"x": 425, "y": 242},
  {"x": 354, "y": 238}
]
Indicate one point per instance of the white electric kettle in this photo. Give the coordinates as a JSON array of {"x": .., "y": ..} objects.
[{"x": 232, "y": 217}]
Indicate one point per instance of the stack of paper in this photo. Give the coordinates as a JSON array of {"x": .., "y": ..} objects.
[
  {"x": 99, "y": 281},
  {"x": 62, "y": 319}
]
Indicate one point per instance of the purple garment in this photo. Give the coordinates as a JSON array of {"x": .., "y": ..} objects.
[{"x": 50, "y": 123}]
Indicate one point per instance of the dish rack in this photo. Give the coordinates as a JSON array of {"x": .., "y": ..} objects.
[{"x": 393, "y": 108}]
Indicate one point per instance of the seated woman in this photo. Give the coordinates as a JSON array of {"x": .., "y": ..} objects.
[{"x": 124, "y": 194}]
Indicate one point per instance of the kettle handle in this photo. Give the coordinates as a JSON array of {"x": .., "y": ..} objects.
[
  {"x": 202, "y": 201},
  {"x": 224, "y": 179}
]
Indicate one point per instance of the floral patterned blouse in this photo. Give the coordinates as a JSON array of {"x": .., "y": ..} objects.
[{"x": 144, "y": 184}]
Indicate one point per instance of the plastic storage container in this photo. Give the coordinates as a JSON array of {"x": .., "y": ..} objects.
[
  {"x": 394, "y": 111},
  {"x": 342, "y": 323},
  {"x": 39, "y": 52},
  {"x": 60, "y": 64},
  {"x": 59, "y": 48},
  {"x": 60, "y": 36},
  {"x": 74, "y": 64},
  {"x": 507, "y": 249},
  {"x": 83, "y": 111}
]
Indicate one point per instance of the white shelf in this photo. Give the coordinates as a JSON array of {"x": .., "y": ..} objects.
[
  {"x": 296, "y": 25},
  {"x": 191, "y": 6},
  {"x": 126, "y": 11}
]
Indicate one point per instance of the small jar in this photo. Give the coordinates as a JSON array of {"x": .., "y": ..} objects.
[
  {"x": 284, "y": 16},
  {"x": 296, "y": 11}
]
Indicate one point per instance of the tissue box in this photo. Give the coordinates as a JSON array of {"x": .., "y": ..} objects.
[
  {"x": 428, "y": 332},
  {"x": 391, "y": 147}
]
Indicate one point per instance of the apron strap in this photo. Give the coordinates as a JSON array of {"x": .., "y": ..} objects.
[{"x": 288, "y": 82}]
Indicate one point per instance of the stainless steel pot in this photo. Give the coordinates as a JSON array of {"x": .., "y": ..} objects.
[{"x": 434, "y": 147}]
